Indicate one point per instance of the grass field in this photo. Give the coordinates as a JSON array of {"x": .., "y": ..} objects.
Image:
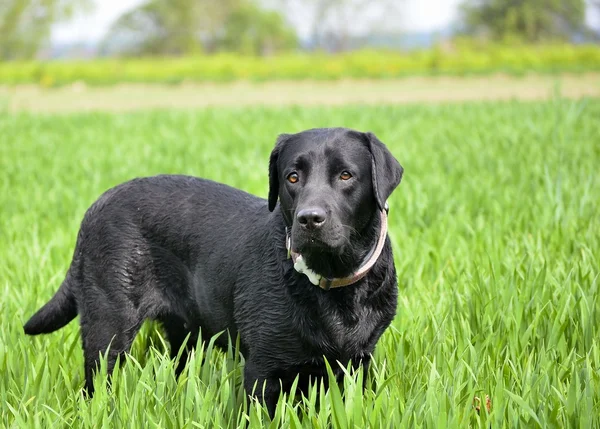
[
  {"x": 496, "y": 233},
  {"x": 414, "y": 89}
]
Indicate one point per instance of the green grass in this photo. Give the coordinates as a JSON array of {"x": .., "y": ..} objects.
[{"x": 496, "y": 232}]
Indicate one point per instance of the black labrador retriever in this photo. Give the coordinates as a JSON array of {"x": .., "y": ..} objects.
[{"x": 310, "y": 279}]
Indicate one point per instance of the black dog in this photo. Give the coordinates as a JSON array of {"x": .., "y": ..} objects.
[{"x": 313, "y": 278}]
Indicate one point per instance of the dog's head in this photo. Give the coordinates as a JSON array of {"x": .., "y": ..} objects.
[{"x": 330, "y": 183}]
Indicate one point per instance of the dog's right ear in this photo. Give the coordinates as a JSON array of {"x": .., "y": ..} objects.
[
  {"x": 386, "y": 170},
  {"x": 274, "y": 172}
]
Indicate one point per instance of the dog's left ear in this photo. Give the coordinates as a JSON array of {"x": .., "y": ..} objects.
[
  {"x": 386, "y": 170},
  {"x": 274, "y": 172}
]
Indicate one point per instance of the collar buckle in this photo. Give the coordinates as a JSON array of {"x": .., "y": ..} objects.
[{"x": 325, "y": 283}]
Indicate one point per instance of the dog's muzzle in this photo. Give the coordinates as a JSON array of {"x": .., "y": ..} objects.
[{"x": 326, "y": 283}]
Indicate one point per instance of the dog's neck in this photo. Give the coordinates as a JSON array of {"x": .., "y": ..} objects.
[{"x": 352, "y": 265}]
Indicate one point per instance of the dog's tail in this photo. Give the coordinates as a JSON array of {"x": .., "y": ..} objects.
[{"x": 57, "y": 312}]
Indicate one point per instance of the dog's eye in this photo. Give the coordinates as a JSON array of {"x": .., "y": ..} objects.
[
  {"x": 345, "y": 175},
  {"x": 292, "y": 177}
]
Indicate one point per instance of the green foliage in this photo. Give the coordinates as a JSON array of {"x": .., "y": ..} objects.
[
  {"x": 250, "y": 30},
  {"x": 158, "y": 27},
  {"x": 25, "y": 24},
  {"x": 496, "y": 236},
  {"x": 178, "y": 27},
  {"x": 466, "y": 58},
  {"x": 528, "y": 20}
]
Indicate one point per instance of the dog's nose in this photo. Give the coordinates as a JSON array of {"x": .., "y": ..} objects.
[{"x": 311, "y": 218}]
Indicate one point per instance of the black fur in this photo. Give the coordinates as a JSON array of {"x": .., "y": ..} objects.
[{"x": 193, "y": 254}]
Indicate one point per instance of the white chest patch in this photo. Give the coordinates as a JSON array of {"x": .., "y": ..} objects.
[{"x": 301, "y": 267}]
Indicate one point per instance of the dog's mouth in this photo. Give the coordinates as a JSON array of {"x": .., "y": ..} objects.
[
  {"x": 309, "y": 243},
  {"x": 316, "y": 257}
]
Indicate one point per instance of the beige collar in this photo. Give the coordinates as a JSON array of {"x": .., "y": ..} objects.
[{"x": 325, "y": 283}]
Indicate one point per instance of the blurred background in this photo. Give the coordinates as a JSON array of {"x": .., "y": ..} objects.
[{"x": 94, "y": 43}]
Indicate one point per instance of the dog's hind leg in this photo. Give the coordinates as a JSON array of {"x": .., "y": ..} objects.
[
  {"x": 113, "y": 332},
  {"x": 177, "y": 331}
]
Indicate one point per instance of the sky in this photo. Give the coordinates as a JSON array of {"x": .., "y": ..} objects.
[{"x": 417, "y": 15}]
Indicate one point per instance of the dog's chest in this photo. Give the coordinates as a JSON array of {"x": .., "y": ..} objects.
[{"x": 344, "y": 329}]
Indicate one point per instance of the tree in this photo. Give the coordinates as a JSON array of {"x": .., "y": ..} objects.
[
  {"x": 169, "y": 27},
  {"x": 527, "y": 20},
  {"x": 251, "y": 30},
  {"x": 180, "y": 27},
  {"x": 25, "y": 24},
  {"x": 333, "y": 23}
]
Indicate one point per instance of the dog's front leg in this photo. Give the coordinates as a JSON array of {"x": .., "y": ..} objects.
[
  {"x": 364, "y": 361},
  {"x": 261, "y": 386}
]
